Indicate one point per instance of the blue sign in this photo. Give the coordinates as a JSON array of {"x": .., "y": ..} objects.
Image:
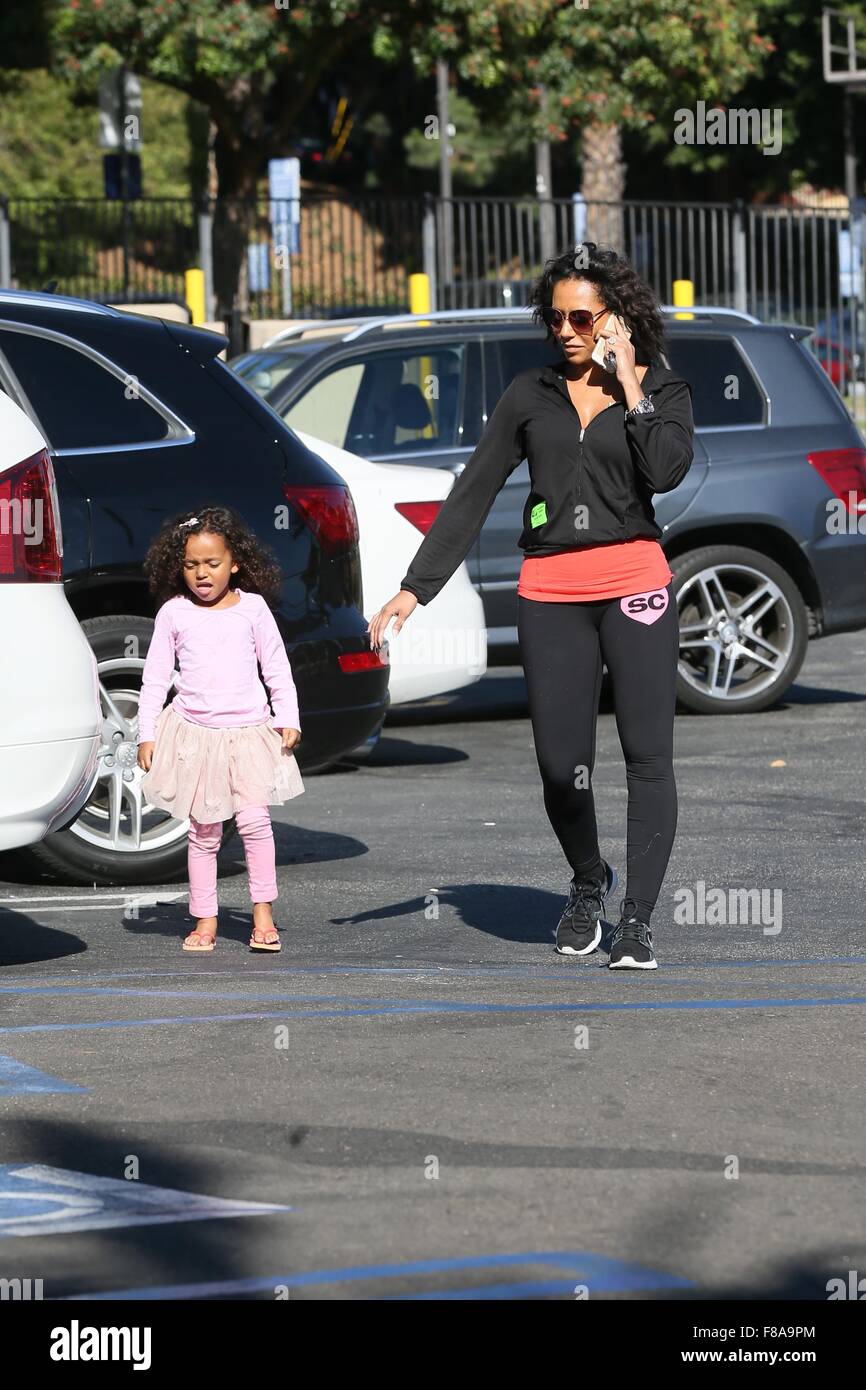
[
  {"x": 284, "y": 188},
  {"x": 258, "y": 267}
]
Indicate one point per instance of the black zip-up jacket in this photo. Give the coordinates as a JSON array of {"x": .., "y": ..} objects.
[{"x": 589, "y": 486}]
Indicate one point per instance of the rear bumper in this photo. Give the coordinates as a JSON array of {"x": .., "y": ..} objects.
[
  {"x": 330, "y": 734},
  {"x": 839, "y": 566},
  {"x": 43, "y": 786}
]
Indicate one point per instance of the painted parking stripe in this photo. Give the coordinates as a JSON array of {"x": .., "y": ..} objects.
[
  {"x": 96, "y": 904},
  {"x": 37, "y": 1200},
  {"x": 111, "y": 899},
  {"x": 532, "y": 972},
  {"x": 18, "y": 1080},
  {"x": 421, "y": 1006},
  {"x": 253, "y": 996},
  {"x": 289, "y": 996},
  {"x": 599, "y": 1272}
]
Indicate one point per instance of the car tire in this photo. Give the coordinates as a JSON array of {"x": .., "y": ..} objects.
[
  {"x": 716, "y": 587},
  {"x": 83, "y": 853}
]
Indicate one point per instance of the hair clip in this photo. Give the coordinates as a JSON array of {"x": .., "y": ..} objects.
[{"x": 192, "y": 521}]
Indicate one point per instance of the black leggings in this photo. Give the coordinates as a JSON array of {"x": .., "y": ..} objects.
[{"x": 563, "y": 646}]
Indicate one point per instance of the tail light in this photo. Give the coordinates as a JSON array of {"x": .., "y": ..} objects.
[
  {"x": 353, "y": 662},
  {"x": 31, "y": 541},
  {"x": 329, "y": 512},
  {"x": 844, "y": 472},
  {"x": 421, "y": 514}
]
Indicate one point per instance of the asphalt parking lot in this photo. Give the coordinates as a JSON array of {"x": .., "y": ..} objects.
[{"x": 417, "y": 1096}]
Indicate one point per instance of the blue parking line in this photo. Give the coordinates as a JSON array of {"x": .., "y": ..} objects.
[
  {"x": 533, "y": 972},
  {"x": 16, "y": 1079},
  {"x": 563, "y": 1287},
  {"x": 601, "y": 1273},
  {"x": 422, "y": 1006}
]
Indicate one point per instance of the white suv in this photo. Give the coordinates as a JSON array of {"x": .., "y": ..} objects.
[{"x": 50, "y": 719}]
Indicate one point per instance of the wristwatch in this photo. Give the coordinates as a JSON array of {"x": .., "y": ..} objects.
[{"x": 643, "y": 407}]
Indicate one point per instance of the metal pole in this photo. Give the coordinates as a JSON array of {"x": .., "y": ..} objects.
[
  {"x": 445, "y": 191},
  {"x": 5, "y": 245},
  {"x": 428, "y": 236},
  {"x": 124, "y": 181},
  {"x": 287, "y": 265},
  {"x": 543, "y": 189},
  {"x": 850, "y": 147},
  {"x": 739, "y": 240},
  {"x": 205, "y": 256}
]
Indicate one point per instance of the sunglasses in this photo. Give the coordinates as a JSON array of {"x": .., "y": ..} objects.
[{"x": 581, "y": 320}]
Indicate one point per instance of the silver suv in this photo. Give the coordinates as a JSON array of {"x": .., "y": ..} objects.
[{"x": 765, "y": 536}]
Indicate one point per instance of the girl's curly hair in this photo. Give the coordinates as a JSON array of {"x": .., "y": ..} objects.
[
  {"x": 258, "y": 571},
  {"x": 619, "y": 287}
]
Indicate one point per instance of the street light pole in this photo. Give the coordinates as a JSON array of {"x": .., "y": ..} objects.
[
  {"x": 445, "y": 174},
  {"x": 124, "y": 180}
]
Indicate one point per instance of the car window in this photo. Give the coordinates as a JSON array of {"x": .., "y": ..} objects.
[
  {"x": 519, "y": 354},
  {"x": 79, "y": 404},
  {"x": 265, "y": 370},
  {"x": 724, "y": 392},
  {"x": 326, "y": 408},
  {"x": 388, "y": 402}
]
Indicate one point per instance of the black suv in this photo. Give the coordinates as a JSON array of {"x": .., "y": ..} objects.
[
  {"x": 764, "y": 535},
  {"x": 143, "y": 419}
]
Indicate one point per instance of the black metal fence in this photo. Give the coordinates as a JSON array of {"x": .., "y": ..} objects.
[{"x": 354, "y": 254}]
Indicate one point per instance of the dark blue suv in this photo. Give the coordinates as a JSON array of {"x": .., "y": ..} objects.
[{"x": 143, "y": 419}]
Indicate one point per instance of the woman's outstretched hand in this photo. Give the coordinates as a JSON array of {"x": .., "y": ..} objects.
[{"x": 399, "y": 608}]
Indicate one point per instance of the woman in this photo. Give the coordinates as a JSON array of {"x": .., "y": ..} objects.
[{"x": 594, "y": 585}]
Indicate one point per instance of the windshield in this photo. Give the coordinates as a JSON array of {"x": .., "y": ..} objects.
[{"x": 265, "y": 370}]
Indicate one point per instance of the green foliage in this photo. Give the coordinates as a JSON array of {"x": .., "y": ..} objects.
[
  {"x": 479, "y": 149},
  {"x": 49, "y": 139},
  {"x": 188, "y": 43}
]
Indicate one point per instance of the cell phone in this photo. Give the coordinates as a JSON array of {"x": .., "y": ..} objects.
[{"x": 600, "y": 354}]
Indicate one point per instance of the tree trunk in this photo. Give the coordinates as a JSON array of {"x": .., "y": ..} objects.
[
  {"x": 603, "y": 181},
  {"x": 236, "y": 215}
]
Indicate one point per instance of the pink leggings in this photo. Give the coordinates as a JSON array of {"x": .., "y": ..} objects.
[{"x": 254, "y": 825}]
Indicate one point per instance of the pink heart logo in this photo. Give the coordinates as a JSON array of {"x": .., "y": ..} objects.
[{"x": 647, "y": 607}]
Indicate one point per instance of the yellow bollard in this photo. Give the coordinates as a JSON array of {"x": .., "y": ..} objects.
[
  {"x": 419, "y": 294},
  {"x": 419, "y": 303},
  {"x": 684, "y": 297},
  {"x": 194, "y": 290}
]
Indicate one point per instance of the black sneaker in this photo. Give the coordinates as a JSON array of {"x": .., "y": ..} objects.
[
  {"x": 631, "y": 946},
  {"x": 579, "y": 930}
]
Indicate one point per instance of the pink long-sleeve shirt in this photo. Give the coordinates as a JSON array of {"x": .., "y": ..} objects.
[{"x": 218, "y": 651}]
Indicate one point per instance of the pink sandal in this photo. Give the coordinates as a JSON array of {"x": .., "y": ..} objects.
[
  {"x": 208, "y": 937},
  {"x": 274, "y": 945}
]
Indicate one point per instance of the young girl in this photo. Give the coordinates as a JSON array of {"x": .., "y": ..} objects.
[{"x": 213, "y": 753}]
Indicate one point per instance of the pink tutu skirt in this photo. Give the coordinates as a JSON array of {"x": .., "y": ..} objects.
[{"x": 212, "y": 773}]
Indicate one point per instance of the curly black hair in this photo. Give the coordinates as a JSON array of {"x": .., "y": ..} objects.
[
  {"x": 620, "y": 289},
  {"x": 258, "y": 571}
]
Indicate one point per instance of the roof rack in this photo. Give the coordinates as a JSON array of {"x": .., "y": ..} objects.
[
  {"x": 40, "y": 300},
  {"x": 368, "y": 324},
  {"x": 299, "y": 329},
  {"x": 371, "y": 324},
  {"x": 437, "y": 316},
  {"x": 709, "y": 311}
]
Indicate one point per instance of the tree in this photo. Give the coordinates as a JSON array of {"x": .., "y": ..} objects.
[
  {"x": 254, "y": 66},
  {"x": 621, "y": 64}
]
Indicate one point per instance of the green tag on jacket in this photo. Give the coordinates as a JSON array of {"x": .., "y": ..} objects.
[{"x": 538, "y": 515}]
